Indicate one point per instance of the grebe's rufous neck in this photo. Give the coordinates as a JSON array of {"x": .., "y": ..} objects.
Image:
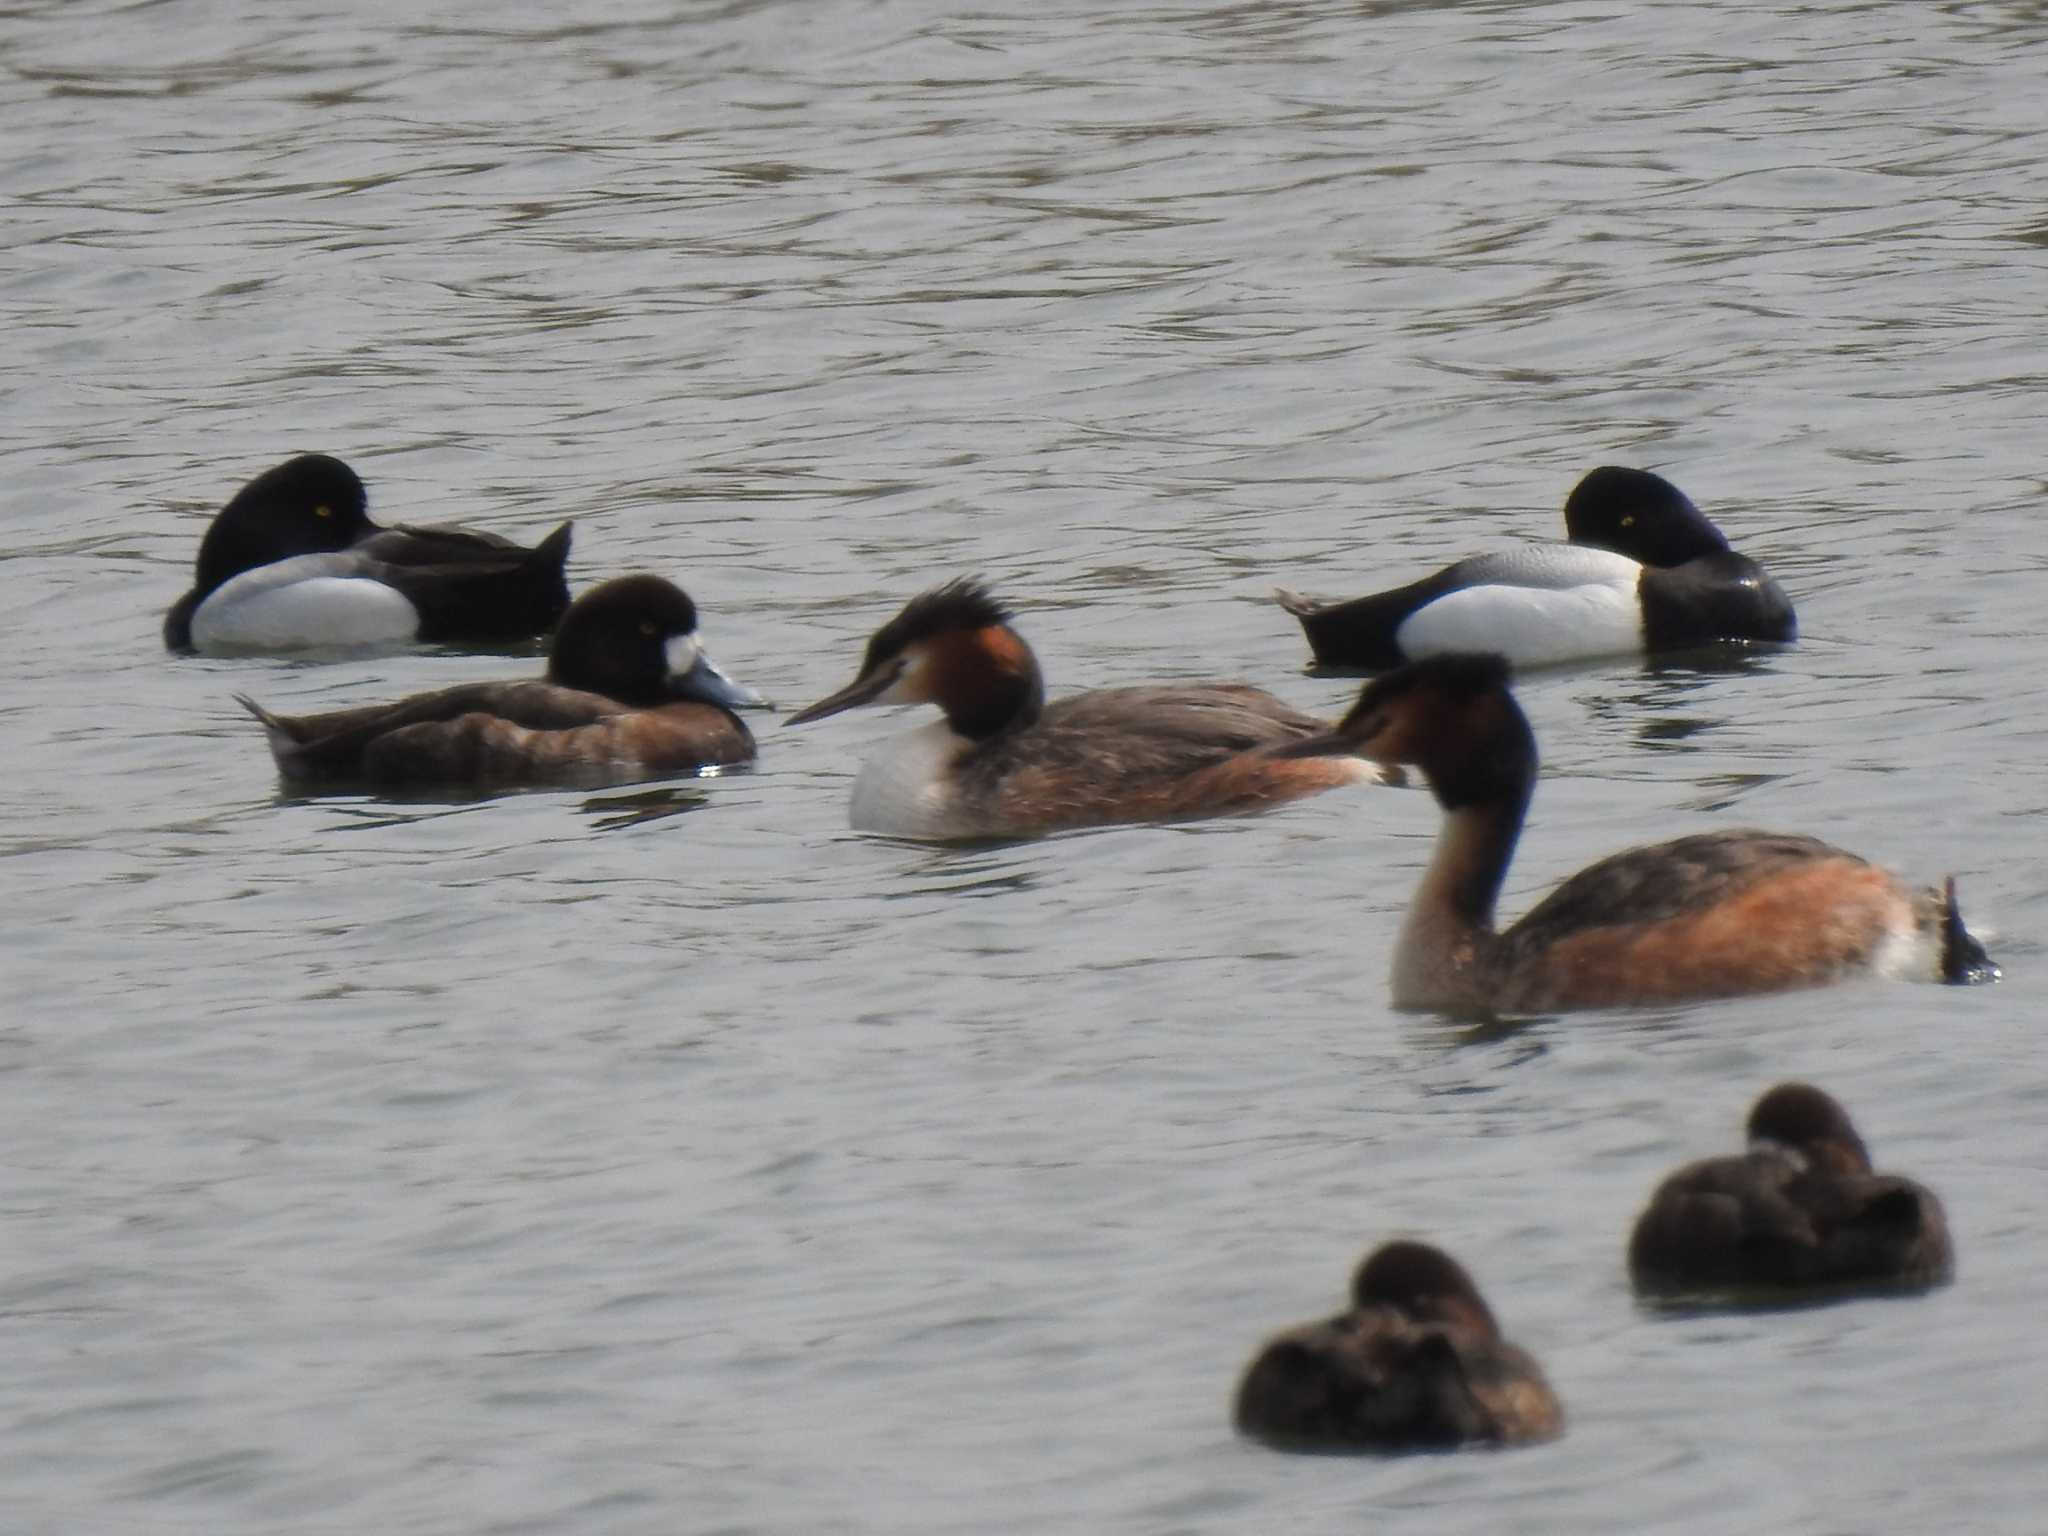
[
  {"x": 1800, "y": 1211},
  {"x": 1004, "y": 763},
  {"x": 1418, "y": 1363},
  {"x": 1721, "y": 914}
]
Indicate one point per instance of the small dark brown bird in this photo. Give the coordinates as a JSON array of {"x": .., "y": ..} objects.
[
  {"x": 1417, "y": 1363},
  {"x": 1800, "y": 1211}
]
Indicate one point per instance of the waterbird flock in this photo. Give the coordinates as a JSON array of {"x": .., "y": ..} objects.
[{"x": 293, "y": 563}]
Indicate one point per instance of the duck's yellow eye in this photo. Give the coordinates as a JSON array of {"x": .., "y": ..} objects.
[
  {"x": 1629, "y": 521},
  {"x": 323, "y": 511}
]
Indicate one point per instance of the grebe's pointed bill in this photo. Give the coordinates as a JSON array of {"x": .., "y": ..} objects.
[
  {"x": 694, "y": 675},
  {"x": 865, "y": 689}
]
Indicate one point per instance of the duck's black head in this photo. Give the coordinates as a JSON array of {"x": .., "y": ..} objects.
[
  {"x": 311, "y": 505},
  {"x": 634, "y": 639},
  {"x": 1641, "y": 515}
]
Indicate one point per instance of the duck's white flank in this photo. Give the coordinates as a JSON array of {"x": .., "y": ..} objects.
[
  {"x": 1599, "y": 615},
  {"x": 306, "y": 601}
]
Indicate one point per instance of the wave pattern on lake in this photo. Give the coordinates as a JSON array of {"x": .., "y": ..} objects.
[{"x": 669, "y": 1158}]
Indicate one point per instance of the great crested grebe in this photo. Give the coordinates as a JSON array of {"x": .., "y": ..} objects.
[
  {"x": 1719, "y": 914},
  {"x": 293, "y": 561},
  {"x": 1417, "y": 1363},
  {"x": 1800, "y": 1211},
  {"x": 1644, "y": 571},
  {"x": 1004, "y": 763},
  {"x": 629, "y": 694}
]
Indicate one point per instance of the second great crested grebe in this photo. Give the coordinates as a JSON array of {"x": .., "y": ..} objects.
[
  {"x": 1004, "y": 763},
  {"x": 1644, "y": 571},
  {"x": 629, "y": 694},
  {"x": 1417, "y": 1363},
  {"x": 293, "y": 562},
  {"x": 1719, "y": 914},
  {"x": 1800, "y": 1212}
]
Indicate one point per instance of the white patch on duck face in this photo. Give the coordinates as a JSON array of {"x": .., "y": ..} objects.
[
  {"x": 1534, "y": 626},
  {"x": 303, "y": 602},
  {"x": 682, "y": 652},
  {"x": 906, "y": 788}
]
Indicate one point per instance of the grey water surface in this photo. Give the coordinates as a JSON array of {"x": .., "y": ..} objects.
[{"x": 671, "y": 1159}]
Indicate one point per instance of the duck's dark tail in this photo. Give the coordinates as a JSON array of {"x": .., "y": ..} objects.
[
  {"x": 1964, "y": 962},
  {"x": 1361, "y": 634}
]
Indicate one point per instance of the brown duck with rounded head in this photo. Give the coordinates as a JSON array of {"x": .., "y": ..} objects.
[
  {"x": 1417, "y": 1363},
  {"x": 1801, "y": 1210},
  {"x": 629, "y": 694},
  {"x": 1720, "y": 914},
  {"x": 1003, "y": 763}
]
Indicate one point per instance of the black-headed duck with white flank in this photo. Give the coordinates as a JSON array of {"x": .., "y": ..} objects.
[
  {"x": 293, "y": 562},
  {"x": 1644, "y": 570}
]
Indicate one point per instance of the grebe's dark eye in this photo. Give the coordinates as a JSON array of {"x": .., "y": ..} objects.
[{"x": 648, "y": 628}]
